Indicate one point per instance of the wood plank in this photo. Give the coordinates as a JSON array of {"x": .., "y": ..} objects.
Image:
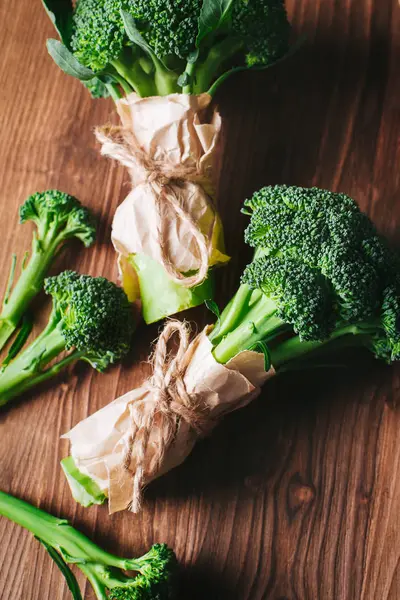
[{"x": 298, "y": 496}]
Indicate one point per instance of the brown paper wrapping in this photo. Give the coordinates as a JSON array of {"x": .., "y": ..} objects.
[
  {"x": 175, "y": 136},
  {"x": 99, "y": 443}
]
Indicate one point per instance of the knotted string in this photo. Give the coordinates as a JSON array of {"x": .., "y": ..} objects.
[
  {"x": 121, "y": 144},
  {"x": 171, "y": 399}
]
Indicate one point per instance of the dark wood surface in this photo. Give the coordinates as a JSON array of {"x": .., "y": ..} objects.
[{"x": 296, "y": 497}]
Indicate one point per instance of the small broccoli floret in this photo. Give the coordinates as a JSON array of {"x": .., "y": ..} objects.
[
  {"x": 91, "y": 318},
  {"x": 169, "y": 26},
  {"x": 156, "y": 571},
  {"x": 98, "y": 32},
  {"x": 96, "y": 316},
  {"x": 300, "y": 293},
  {"x": 58, "y": 217},
  {"x": 264, "y": 28},
  {"x": 321, "y": 276}
]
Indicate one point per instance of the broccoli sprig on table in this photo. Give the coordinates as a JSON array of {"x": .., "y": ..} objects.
[
  {"x": 58, "y": 217},
  {"x": 155, "y": 572},
  {"x": 158, "y": 47},
  {"x": 322, "y": 278},
  {"x": 91, "y": 319}
]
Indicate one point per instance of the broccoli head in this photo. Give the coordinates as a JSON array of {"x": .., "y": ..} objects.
[
  {"x": 321, "y": 275},
  {"x": 96, "y": 317},
  {"x": 92, "y": 319}
]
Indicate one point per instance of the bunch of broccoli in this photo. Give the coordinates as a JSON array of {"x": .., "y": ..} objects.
[
  {"x": 159, "y": 47},
  {"x": 155, "y": 571},
  {"x": 91, "y": 317},
  {"x": 322, "y": 278}
]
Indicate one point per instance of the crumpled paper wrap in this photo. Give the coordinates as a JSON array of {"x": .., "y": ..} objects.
[
  {"x": 152, "y": 429},
  {"x": 169, "y": 145}
]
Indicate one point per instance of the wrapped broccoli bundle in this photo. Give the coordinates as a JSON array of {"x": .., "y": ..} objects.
[
  {"x": 162, "y": 61},
  {"x": 322, "y": 279}
]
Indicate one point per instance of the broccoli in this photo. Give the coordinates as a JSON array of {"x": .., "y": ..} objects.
[
  {"x": 156, "y": 571},
  {"x": 91, "y": 318},
  {"x": 321, "y": 277},
  {"x": 158, "y": 47},
  {"x": 58, "y": 217}
]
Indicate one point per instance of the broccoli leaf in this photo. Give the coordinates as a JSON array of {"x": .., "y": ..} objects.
[
  {"x": 60, "y": 13},
  {"x": 212, "y": 16},
  {"x": 67, "y": 61},
  {"x": 65, "y": 570},
  {"x": 134, "y": 34}
]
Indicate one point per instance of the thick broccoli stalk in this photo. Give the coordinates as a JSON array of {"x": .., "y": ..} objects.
[
  {"x": 159, "y": 47},
  {"x": 322, "y": 278},
  {"x": 58, "y": 217},
  {"x": 91, "y": 319},
  {"x": 155, "y": 571}
]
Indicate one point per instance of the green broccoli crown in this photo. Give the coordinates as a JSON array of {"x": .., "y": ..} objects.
[
  {"x": 264, "y": 27},
  {"x": 96, "y": 316},
  {"x": 98, "y": 32},
  {"x": 59, "y": 214},
  {"x": 327, "y": 232},
  {"x": 170, "y": 27},
  {"x": 300, "y": 293},
  {"x": 155, "y": 580}
]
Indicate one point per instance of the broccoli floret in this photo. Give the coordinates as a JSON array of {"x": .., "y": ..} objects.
[
  {"x": 58, "y": 217},
  {"x": 91, "y": 319},
  {"x": 177, "y": 45},
  {"x": 321, "y": 275},
  {"x": 169, "y": 26},
  {"x": 156, "y": 571},
  {"x": 264, "y": 28}
]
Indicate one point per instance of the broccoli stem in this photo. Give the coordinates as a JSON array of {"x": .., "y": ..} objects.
[
  {"x": 136, "y": 77},
  {"x": 29, "y": 284},
  {"x": 219, "y": 54},
  {"x": 26, "y": 371},
  {"x": 73, "y": 545},
  {"x": 290, "y": 351},
  {"x": 6, "y": 331},
  {"x": 255, "y": 321}
]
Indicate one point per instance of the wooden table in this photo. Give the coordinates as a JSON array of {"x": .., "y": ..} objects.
[{"x": 296, "y": 497}]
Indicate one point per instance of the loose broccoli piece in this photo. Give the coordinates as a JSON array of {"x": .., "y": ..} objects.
[
  {"x": 158, "y": 47},
  {"x": 91, "y": 319},
  {"x": 58, "y": 217},
  {"x": 321, "y": 275},
  {"x": 156, "y": 571}
]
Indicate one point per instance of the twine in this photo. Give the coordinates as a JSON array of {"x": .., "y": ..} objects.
[
  {"x": 120, "y": 144},
  {"x": 171, "y": 399}
]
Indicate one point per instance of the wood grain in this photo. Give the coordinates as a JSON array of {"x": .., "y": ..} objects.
[{"x": 298, "y": 496}]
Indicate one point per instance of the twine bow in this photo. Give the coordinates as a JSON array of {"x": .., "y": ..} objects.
[
  {"x": 170, "y": 398},
  {"x": 121, "y": 144}
]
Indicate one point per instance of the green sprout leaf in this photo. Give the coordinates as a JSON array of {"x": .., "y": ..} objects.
[
  {"x": 67, "y": 61},
  {"x": 60, "y": 13},
  {"x": 134, "y": 34},
  {"x": 212, "y": 16},
  {"x": 65, "y": 570}
]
